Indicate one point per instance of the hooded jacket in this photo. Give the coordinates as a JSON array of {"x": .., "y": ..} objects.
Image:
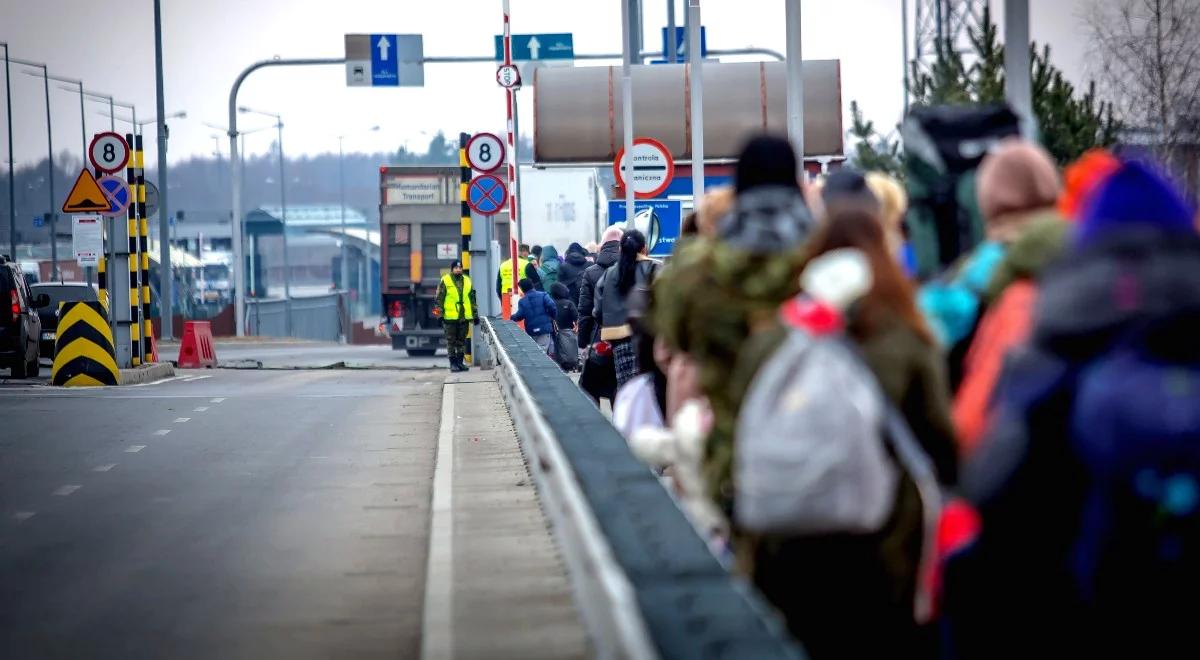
[
  {"x": 570, "y": 273},
  {"x": 609, "y": 254},
  {"x": 549, "y": 268}
]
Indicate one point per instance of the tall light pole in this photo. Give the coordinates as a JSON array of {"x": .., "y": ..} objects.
[
  {"x": 342, "y": 202},
  {"x": 97, "y": 96},
  {"x": 165, "y": 278},
  {"x": 12, "y": 194},
  {"x": 287, "y": 264},
  {"x": 50, "y": 155},
  {"x": 795, "y": 82}
]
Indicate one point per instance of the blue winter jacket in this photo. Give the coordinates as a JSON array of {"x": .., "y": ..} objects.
[{"x": 537, "y": 310}]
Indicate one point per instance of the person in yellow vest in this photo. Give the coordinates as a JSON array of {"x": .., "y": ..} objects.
[
  {"x": 455, "y": 303},
  {"x": 505, "y": 280}
]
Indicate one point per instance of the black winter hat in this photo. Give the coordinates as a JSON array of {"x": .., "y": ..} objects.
[{"x": 766, "y": 160}]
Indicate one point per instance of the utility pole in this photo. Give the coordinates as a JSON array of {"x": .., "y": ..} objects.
[
  {"x": 287, "y": 264},
  {"x": 12, "y": 195},
  {"x": 342, "y": 203},
  {"x": 1018, "y": 83},
  {"x": 166, "y": 283},
  {"x": 672, "y": 54},
  {"x": 795, "y": 82},
  {"x": 696, "y": 67},
  {"x": 628, "y": 49}
]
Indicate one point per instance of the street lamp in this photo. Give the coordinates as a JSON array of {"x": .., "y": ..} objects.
[
  {"x": 342, "y": 198},
  {"x": 50, "y": 156},
  {"x": 287, "y": 267},
  {"x": 12, "y": 197}
]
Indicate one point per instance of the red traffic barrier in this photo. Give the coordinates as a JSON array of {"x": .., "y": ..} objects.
[{"x": 197, "y": 349}]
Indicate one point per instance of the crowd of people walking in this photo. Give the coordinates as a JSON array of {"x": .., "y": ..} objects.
[{"x": 999, "y": 460}]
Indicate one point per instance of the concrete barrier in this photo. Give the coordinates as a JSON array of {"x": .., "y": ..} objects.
[{"x": 645, "y": 582}]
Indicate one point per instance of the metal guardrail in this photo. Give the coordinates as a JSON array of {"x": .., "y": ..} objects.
[{"x": 645, "y": 582}]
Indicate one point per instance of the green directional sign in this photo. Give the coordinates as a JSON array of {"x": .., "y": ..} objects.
[{"x": 538, "y": 47}]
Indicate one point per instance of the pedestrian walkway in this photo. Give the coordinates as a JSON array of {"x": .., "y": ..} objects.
[{"x": 496, "y": 584}]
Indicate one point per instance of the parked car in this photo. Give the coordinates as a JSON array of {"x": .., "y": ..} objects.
[
  {"x": 20, "y": 325},
  {"x": 59, "y": 292}
]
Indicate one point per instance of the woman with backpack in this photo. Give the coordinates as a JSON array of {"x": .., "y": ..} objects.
[
  {"x": 894, "y": 339},
  {"x": 632, "y": 275},
  {"x": 548, "y": 268}
]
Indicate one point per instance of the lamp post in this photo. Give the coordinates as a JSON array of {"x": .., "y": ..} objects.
[
  {"x": 287, "y": 267},
  {"x": 12, "y": 195},
  {"x": 50, "y": 156},
  {"x": 342, "y": 201}
]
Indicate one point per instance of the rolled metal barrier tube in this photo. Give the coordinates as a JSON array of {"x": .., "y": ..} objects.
[{"x": 646, "y": 584}]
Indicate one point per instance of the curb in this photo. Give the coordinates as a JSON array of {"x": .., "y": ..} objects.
[{"x": 147, "y": 373}]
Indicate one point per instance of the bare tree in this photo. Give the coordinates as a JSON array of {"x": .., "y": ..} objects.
[{"x": 1147, "y": 56}]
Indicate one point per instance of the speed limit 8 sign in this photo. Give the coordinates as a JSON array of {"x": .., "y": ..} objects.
[
  {"x": 485, "y": 152},
  {"x": 109, "y": 152}
]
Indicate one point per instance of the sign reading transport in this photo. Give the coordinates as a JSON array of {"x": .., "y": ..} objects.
[{"x": 653, "y": 168}]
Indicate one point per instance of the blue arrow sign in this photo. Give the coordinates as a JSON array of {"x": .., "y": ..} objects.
[
  {"x": 538, "y": 47},
  {"x": 681, "y": 43},
  {"x": 39, "y": 221},
  {"x": 658, "y": 219},
  {"x": 385, "y": 61}
]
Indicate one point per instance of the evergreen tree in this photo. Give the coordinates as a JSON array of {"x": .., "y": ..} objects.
[{"x": 872, "y": 152}]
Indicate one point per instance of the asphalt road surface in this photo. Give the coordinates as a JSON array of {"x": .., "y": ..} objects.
[
  {"x": 310, "y": 355},
  {"x": 226, "y": 514}
]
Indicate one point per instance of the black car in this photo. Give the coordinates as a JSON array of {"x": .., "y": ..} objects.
[
  {"x": 59, "y": 292},
  {"x": 20, "y": 326}
]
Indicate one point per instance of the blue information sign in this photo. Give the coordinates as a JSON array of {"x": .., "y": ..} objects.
[
  {"x": 681, "y": 43},
  {"x": 385, "y": 61},
  {"x": 658, "y": 219},
  {"x": 537, "y": 47}
]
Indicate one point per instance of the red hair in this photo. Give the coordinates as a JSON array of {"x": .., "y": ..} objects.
[{"x": 891, "y": 294}]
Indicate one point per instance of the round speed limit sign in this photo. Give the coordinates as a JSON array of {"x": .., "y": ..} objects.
[
  {"x": 485, "y": 152},
  {"x": 109, "y": 152}
]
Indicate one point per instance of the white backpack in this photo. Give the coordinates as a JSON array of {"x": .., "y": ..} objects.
[{"x": 814, "y": 445}]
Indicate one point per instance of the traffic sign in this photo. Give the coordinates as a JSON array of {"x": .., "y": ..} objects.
[
  {"x": 87, "y": 239},
  {"x": 653, "y": 168},
  {"x": 657, "y": 219},
  {"x": 487, "y": 194},
  {"x": 86, "y": 195},
  {"x": 681, "y": 43},
  {"x": 116, "y": 191},
  {"x": 538, "y": 47},
  {"x": 508, "y": 76},
  {"x": 385, "y": 60},
  {"x": 152, "y": 201},
  {"x": 485, "y": 152},
  {"x": 109, "y": 152}
]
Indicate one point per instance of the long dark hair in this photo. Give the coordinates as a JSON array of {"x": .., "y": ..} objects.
[
  {"x": 891, "y": 292},
  {"x": 632, "y": 244}
]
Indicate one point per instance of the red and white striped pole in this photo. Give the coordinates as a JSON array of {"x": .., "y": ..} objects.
[{"x": 513, "y": 170}]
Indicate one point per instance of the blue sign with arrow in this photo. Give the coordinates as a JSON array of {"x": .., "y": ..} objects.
[
  {"x": 681, "y": 43},
  {"x": 538, "y": 47},
  {"x": 658, "y": 219},
  {"x": 385, "y": 62}
]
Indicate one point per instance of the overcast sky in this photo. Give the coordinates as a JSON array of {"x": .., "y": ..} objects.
[{"x": 208, "y": 42}]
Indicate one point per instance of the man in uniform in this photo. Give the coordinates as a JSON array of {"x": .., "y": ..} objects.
[{"x": 455, "y": 303}]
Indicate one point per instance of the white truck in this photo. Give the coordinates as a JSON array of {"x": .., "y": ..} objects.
[{"x": 560, "y": 206}]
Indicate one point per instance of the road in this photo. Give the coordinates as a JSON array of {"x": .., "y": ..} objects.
[
  {"x": 263, "y": 514},
  {"x": 290, "y": 354}
]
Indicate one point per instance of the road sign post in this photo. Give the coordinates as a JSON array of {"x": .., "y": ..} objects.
[
  {"x": 486, "y": 194},
  {"x": 679, "y": 43},
  {"x": 87, "y": 239},
  {"x": 537, "y": 47},
  {"x": 645, "y": 171},
  {"x": 108, "y": 152},
  {"x": 485, "y": 152},
  {"x": 658, "y": 219}
]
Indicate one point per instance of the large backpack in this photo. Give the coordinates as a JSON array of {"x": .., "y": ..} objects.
[
  {"x": 1135, "y": 427},
  {"x": 943, "y": 146}
]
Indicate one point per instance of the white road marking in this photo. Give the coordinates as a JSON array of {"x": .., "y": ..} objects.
[
  {"x": 200, "y": 409},
  {"x": 63, "y": 491},
  {"x": 181, "y": 420},
  {"x": 22, "y": 516},
  {"x": 162, "y": 431},
  {"x": 104, "y": 468},
  {"x": 437, "y": 629},
  {"x": 192, "y": 379},
  {"x": 218, "y": 399},
  {"x": 133, "y": 449}
]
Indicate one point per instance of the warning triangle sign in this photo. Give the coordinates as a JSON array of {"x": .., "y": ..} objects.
[{"x": 86, "y": 196}]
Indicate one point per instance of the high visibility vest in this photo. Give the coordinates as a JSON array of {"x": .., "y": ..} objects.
[
  {"x": 506, "y": 275},
  {"x": 456, "y": 299}
]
